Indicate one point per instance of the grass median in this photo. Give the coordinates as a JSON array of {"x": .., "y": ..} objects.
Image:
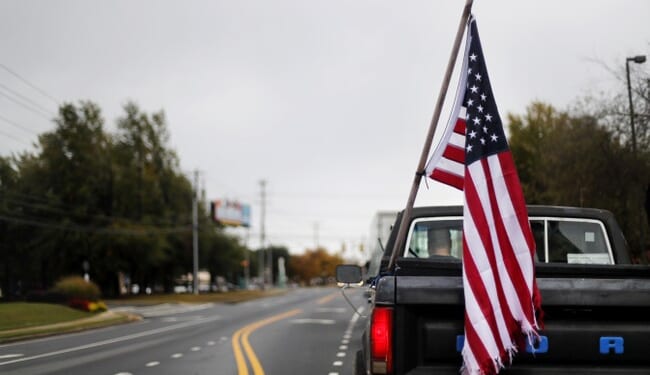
[{"x": 20, "y": 320}]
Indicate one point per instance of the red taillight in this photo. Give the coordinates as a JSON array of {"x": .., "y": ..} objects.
[{"x": 381, "y": 340}]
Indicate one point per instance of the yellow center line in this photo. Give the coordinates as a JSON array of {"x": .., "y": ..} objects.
[
  {"x": 244, "y": 333},
  {"x": 239, "y": 356}
]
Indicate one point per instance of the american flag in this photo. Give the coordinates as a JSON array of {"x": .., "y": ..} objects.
[{"x": 501, "y": 295}]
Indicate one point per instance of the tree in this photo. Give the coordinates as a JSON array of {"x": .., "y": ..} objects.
[
  {"x": 151, "y": 192},
  {"x": 65, "y": 190},
  {"x": 8, "y": 251},
  {"x": 221, "y": 254},
  {"x": 116, "y": 202},
  {"x": 565, "y": 159},
  {"x": 314, "y": 266}
]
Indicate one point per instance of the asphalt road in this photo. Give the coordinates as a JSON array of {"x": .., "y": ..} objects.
[{"x": 306, "y": 331}]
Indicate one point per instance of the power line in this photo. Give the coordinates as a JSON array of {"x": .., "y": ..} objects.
[
  {"x": 33, "y": 86},
  {"x": 143, "y": 231},
  {"x": 17, "y": 125},
  {"x": 14, "y": 138},
  {"x": 67, "y": 211},
  {"x": 28, "y": 100},
  {"x": 27, "y": 107}
]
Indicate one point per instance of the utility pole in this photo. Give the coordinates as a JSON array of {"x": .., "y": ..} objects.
[
  {"x": 261, "y": 269},
  {"x": 247, "y": 267},
  {"x": 195, "y": 234}
]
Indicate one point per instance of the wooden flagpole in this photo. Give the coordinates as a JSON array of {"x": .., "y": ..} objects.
[{"x": 406, "y": 216}]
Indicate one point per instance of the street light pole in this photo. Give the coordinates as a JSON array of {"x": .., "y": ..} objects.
[{"x": 640, "y": 59}]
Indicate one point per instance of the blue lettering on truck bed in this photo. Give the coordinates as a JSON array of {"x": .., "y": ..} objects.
[
  {"x": 607, "y": 343},
  {"x": 541, "y": 347}
]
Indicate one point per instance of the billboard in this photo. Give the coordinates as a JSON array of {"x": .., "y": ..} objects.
[{"x": 231, "y": 213}]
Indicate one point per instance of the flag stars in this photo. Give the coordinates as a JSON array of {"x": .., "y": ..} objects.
[
  {"x": 472, "y": 134},
  {"x": 494, "y": 137},
  {"x": 469, "y": 148},
  {"x": 488, "y": 117},
  {"x": 485, "y": 129},
  {"x": 474, "y": 89},
  {"x": 470, "y": 102},
  {"x": 483, "y": 141},
  {"x": 477, "y": 121},
  {"x": 477, "y": 76},
  {"x": 480, "y": 109},
  {"x": 472, "y": 57},
  {"x": 483, "y": 97}
]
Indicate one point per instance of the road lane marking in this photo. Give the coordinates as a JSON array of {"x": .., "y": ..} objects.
[
  {"x": 7, "y": 356},
  {"x": 115, "y": 340},
  {"x": 338, "y": 310},
  {"x": 242, "y": 335},
  {"x": 152, "y": 364},
  {"x": 195, "y": 348},
  {"x": 177, "y": 355},
  {"x": 313, "y": 321},
  {"x": 327, "y": 298},
  {"x": 210, "y": 343},
  {"x": 346, "y": 337}
]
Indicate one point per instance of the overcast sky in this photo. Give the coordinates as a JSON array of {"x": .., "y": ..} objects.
[{"x": 328, "y": 101}]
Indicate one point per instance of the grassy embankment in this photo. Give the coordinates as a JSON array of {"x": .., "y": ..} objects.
[{"x": 21, "y": 320}]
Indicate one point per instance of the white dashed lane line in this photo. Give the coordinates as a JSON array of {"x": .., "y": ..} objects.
[
  {"x": 346, "y": 340},
  {"x": 173, "y": 356},
  {"x": 113, "y": 341}
]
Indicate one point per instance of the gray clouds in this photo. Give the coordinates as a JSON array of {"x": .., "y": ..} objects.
[{"x": 328, "y": 101}]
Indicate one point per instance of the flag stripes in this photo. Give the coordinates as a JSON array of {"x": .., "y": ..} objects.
[
  {"x": 447, "y": 163},
  {"x": 501, "y": 295}
]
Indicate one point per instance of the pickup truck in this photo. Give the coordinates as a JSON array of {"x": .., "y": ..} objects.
[{"x": 596, "y": 303}]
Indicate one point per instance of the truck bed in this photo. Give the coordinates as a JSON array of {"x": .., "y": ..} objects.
[{"x": 588, "y": 309}]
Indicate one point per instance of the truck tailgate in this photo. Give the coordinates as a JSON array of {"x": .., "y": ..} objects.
[{"x": 599, "y": 323}]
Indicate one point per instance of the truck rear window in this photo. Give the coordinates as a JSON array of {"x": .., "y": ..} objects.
[
  {"x": 436, "y": 237},
  {"x": 558, "y": 240},
  {"x": 565, "y": 240}
]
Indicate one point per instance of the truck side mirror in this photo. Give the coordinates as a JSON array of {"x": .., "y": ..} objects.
[{"x": 348, "y": 274}]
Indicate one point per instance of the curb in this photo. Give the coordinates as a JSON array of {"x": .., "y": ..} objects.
[{"x": 104, "y": 319}]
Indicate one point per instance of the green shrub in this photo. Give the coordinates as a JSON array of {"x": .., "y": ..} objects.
[{"x": 75, "y": 287}]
